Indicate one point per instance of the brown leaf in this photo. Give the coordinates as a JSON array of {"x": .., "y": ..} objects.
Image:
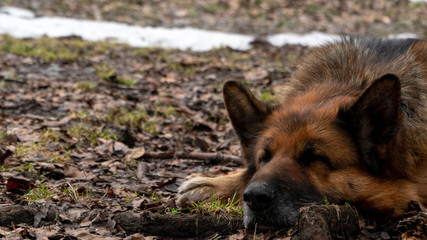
[
  {"x": 238, "y": 236},
  {"x": 256, "y": 74},
  {"x": 170, "y": 78},
  {"x": 136, "y": 153},
  {"x": 142, "y": 170},
  {"x": 120, "y": 149},
  {"x": 59, "y": 123},
  {"x": 4, "y": 153},
  {"x": 23, "y": 134},
  {"x": 136, "y": 236}
]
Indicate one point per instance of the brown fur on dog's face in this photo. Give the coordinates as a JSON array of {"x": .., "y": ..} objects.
[{"x": 305, "y": 151}]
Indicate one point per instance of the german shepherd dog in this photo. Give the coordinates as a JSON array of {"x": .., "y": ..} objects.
[{"x": 351, "y": 126}]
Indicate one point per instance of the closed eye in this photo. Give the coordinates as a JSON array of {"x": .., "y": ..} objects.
[
  {"x": 309, "y": 155},
  {"x": 266, "y": 156}
]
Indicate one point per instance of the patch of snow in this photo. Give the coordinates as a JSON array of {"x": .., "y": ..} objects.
[
  {"x": 310, "y": 39},
  {"x": 17, "y": 12},
  {"x": 403, "y": 35},
  {"x": 181, "y": 38},
  {"x": 21, "y": 23}
]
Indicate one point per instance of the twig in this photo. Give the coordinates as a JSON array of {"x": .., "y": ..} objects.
[
  {"x": 16, "y": 231},
  {"x": 121, "y": 87},
  {"x": 256, "y": 225},
  {"x": 171, "y": 226},
  {"x": 212, "y": 157},
  {"x": 13, "y": 106},
  {"x": 6, "y": 79},
  {"x": 105, "y": 194},
  {"x": 161, "y": 176}
]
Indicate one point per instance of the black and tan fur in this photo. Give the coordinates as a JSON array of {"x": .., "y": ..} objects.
[{"x": 351, "y": 126}]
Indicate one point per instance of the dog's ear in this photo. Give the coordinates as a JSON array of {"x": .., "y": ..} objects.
[
  {"x": 375, "y": 118},
  {"x": 245, "y": 111}
]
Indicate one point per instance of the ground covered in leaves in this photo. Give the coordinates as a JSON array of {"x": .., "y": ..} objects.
[
  {"x": 78, "y": 117},
  {"x": 81, "y": 123}
]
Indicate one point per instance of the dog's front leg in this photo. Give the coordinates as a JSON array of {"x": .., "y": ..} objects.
[{"x": 199, "y": 189}]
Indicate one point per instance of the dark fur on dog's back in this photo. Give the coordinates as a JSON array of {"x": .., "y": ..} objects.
[
  {"x": 357, "y": 62},
  {"x": 385, "y": 49},
  {"x": 351, "y": 126}
]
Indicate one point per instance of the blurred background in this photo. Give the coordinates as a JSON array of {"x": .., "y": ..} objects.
[{"x": 254, "y": 17}]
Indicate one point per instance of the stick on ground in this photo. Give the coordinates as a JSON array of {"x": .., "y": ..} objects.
[
  {"x": 177, "y": 226},
  {"x": 211, "y": 157}
]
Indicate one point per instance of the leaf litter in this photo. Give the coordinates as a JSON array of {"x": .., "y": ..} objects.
[{"x": 81, "y": 149}]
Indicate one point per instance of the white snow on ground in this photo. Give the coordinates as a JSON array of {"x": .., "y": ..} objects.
[
  {"x": 17, "y": 12},
  {"x": 403, "y": 35},
  {"x": 310, "y": 39},
  {"x": 17, "y": 24},
  {"x": 22, "y": 23},
  {"x": 183, "y": 38}
]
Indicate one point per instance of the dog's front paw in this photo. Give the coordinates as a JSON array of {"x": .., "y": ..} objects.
[
  {"x": 202, "y": 189},
  {"x": 198, "y": 189}
]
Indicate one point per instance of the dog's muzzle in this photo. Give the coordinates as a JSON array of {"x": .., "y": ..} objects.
[{"x": 258, "y": 196}]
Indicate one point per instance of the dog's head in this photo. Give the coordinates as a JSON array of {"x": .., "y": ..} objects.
[{"x": 330, "y": 143}]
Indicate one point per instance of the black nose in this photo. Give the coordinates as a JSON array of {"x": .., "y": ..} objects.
[{"x": 258, "y": 196}]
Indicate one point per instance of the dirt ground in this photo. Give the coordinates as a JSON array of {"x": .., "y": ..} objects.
[{"x": 78, "y": 119}]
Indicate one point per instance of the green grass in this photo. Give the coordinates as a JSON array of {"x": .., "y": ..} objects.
[
  {"x": 128, "y": 199},
  {"x": 26, "y": 167},
  {"x": 85, "y": 86},
  {"x": 417, "y": 4},
  {"x": 166, "y": 111},
  {"x": 81, "y": 115},
  {"x": 215, "y": 7},
  {"x": 47, "y": 49},
  {"x": 75, "y": 195},
  {"x": 127, "y": 82},
  {"x": 41, "y": 191},
  {"x": 22, "y": 149},
  {"x": 51, "y": 49},
  {"x": 44, "y": 191},
  {"x": 155, "y": 198},
  {"x": 89, "y": 132},
  {"x": 193, "y": 13},
  {"x": 267, "y": 96},
  {"x": 123, "y": 116},
  {"x": 176, "y": 66},
  {"x": 4, "y": 169},
  {"x": 245, "y": 82},
  {"x": 104, "y": 71},
  {"x": 48, "y": 135},
  {"x": 137, "y": 118},
  {"x": 218, "y": 207},
  {"x": 326, "y": 201},
  {"x": 174, "y": 211},
  {"x": 2, "y": 135},
  {"x": 60, "y": 155}
]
